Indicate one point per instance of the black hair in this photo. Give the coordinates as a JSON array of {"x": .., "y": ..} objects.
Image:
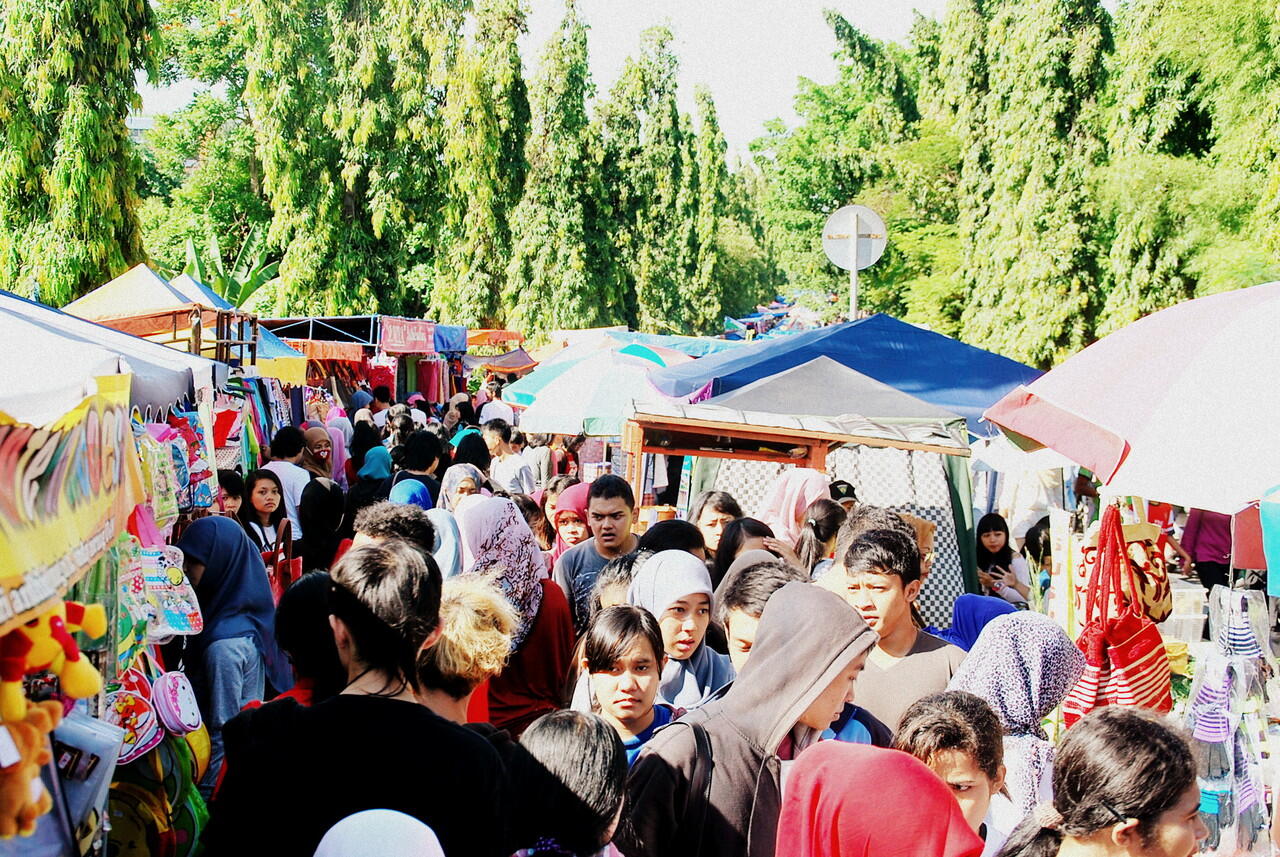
[
  {"x": 1037, "y": 546},
  {"x": 320, "y": 513},
  {"x": 466, "y": 413},
  {"x": 518, "y": 438},
  {"x": 387, "y": 593},
  {"x": 231, "y": 483},
  {"x": 994, "y": 523},
  {"x": 387, "y": 520},
  {"x": 421, "y": 450},
  {"x": 303, "y": 632},
  {"x": 953, "y": 720},
  {"x": 885, "y": 552},
  {"x": 616, "y": 572},
  {"x": 382, "y": 393},
  {"x": 557, "y": 485},
  {"x": 472, "y": 450},
  {"x": 249, "y": 515},
  {"x": 288, "y": 442},
  {"x": 735, "y": 533},
  {"x": 364, "y": 437},
  {"x": 614, "y": 630},
  {"x": 822, "y": 523},
  {"x": 610, "y": 487},
  {"x": 586, "y": 764},
  {"x": 865, "y": 518},
  {"x": 721, "y": 501},
  {"x": 534, "y": 517},
  {"x": 752, "y": 587},
  {"x": 536, "y": 439},
  {"x": 501, "y": 428},
  {"x": 673, "y": 535},
  {"x": 1115, "y": 764}
]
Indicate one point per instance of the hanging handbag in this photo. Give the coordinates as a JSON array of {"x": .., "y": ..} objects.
[
  {"x": 1125, "y": 660},
  {"x": 1148, "y": 586},
  {"x": 282, "y": 568}
]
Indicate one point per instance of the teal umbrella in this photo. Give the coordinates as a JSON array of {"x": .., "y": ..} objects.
[
  {"x": 591, "y": 396},
  {"x": 525, "y": 392}
]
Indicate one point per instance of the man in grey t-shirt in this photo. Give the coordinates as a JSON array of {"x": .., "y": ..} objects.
[{"x": 610, "y": 514}]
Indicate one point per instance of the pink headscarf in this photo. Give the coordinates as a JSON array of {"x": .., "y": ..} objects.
[
  {"x": 496, "y": 539},
  {"x": 792, "y": 494},
  {"x": 339, "y": 456},
  {"x": 572, "y": 499}
]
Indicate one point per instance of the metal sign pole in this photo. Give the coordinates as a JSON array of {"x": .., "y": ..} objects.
[{"x": 853, "y": 269}]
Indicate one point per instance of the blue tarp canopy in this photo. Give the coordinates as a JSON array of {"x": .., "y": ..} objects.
[
  {"x": 694, "y": 346},
  {"x": 936, "y": 368},
  {"x": 451, "y": 339}
]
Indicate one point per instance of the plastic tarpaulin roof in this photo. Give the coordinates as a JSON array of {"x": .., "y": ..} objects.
[
  {"x": 493, "y": 337},
  {"x": 71, "y": 353},
  {"x": 513, "y": 361},
  {"x": 942, "y": 371},
  {"x": 451, "y": 338},
  {"x": 323, "y": 349}
]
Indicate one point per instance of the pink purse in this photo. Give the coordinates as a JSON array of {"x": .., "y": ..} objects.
[{"x": 175, "y": 703}]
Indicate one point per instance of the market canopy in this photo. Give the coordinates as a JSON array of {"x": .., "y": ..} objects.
[
  {"x": 590, "y": 396},
  {"x": 493, "y": 337},
  {"x": 70, "y": 354},
  {"x": 524, "y": 393},
  {"x": 142, "y": 293},
  {"x": 942, "y": 371},
  {"x": 1179, "y": 406},
  {"x": 513, "y": 361}
]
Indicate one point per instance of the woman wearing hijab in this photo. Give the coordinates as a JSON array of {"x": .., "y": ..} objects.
[
  {"x": 571, "y": 503},
  {"x": 372, "y": 486},
  {"x": 460, "y": 481},
  {"x": 380, "y": 833},
  {"x": 1023, "y": 665},
  {"x": 969, "y": 615},
  {"x": 675, "y": 587},
  {"x": 232, "y": 658},
  {"x": 848, "y": 800},
  {"x": 792, "y": 494},
  {"x": 339, "y": 456},
  {"x": 317, "y": 455},
  {"x": 413, "y": 492},
  {"x": 360, "y": 400},
  {"x": 496, "y": 540},
  {"x": 364, "y": 416},
  {"x": 448, "y": 542}
]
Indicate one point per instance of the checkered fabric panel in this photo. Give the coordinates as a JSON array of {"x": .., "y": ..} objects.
[{"x": 901, "y": 480}]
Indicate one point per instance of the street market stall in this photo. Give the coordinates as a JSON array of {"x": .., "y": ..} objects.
[{"x": 897, "y": 451}]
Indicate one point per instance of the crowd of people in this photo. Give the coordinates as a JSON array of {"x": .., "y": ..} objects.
[{"x": 481, "y": 657}]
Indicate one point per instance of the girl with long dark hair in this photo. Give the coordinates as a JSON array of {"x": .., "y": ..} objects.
[{"x": 1001, "y": 572}]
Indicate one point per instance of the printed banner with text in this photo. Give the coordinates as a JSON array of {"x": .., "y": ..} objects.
[{"x": 66, "y": 492}]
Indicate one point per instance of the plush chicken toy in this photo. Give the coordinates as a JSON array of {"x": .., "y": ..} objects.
[{"x": 45, "y": 644}]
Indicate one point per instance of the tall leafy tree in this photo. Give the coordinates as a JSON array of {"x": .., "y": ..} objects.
[
  {"x": 561, "y": 273},
  {"x": 68, "y": 174},
  {"x": 708, "y": 287},
  {"x": 1033, "y": 271},
  {"x": 347, "y": 100}
]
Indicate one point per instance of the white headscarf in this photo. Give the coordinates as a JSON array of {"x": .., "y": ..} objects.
[
  {"x": 663, "y": 580},
  {"x": 380, "y": 833}
]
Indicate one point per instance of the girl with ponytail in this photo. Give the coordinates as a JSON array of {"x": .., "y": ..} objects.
[
  {"x": 817, "y": 541},
  {"x": 1124, "y": 785}
]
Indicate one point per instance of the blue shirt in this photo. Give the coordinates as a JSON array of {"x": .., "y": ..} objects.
[{"x": 662, "y": 715}]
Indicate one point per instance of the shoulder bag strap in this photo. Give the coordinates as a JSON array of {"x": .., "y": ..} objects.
[{"x": 699, "y": 802}]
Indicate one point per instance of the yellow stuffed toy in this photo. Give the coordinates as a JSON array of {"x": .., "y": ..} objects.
[
  {"x": 23, "y": 797},
  {"x": 45, "y": 644}
]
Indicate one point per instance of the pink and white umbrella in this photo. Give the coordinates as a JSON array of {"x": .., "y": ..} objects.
[{"x": 1181, "y": 406}]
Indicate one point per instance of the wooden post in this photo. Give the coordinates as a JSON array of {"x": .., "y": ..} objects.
[
  {"x": 195, "y": 345},
  {"x": 633, "y": 446}
]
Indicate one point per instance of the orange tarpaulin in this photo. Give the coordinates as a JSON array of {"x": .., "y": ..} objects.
[
  {"x": 323, "y": 349},
  {"x": 493, "y": 337}
]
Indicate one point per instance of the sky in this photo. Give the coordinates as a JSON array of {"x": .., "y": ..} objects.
[{"x": 749, "y": 52}]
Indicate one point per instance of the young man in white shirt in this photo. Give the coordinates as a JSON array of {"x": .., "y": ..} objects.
[
  {"x": 496, "y": 409},
  {"x": 507, "y": 471},
  {"x": 286, "y": 452}
]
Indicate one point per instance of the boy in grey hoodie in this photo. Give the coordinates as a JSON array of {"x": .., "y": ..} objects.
[{"x": 808, "y": 651}]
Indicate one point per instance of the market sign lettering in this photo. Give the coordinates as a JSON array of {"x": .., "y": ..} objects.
[{"x": 66, "y": 491}]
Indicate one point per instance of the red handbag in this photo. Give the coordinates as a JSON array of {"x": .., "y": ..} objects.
[
  {"x": 1125, "y": 660},
  {"x": 282, "y": 568}
]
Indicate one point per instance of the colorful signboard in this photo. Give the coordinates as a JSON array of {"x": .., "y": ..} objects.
[{"x": 66, "y": 492}]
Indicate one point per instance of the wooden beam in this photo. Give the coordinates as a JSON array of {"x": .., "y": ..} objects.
[{"x": 774, "y": 434}]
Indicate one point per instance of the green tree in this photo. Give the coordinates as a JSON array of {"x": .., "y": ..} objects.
[
  {"x": 708, "y": 287},
  {"x": 346, "y": 99},
  {"x": 561, "y": 273},
  {"x": 68, "y": 173},
  {"x": 1033, "y": 270}
]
